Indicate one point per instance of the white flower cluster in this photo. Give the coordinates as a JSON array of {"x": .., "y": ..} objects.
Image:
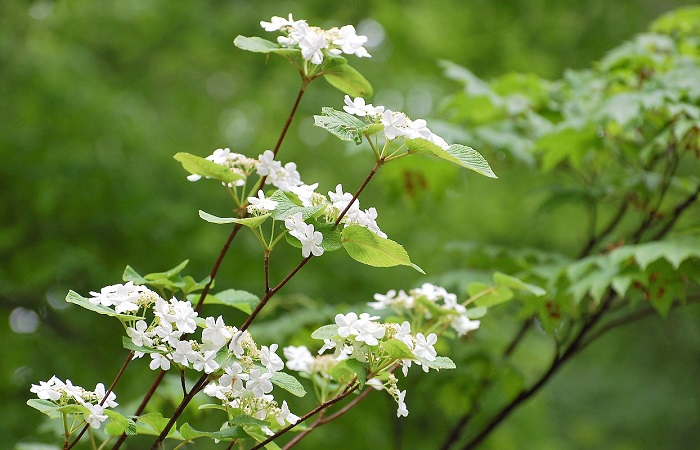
[
  {"x": 453, "y": 311},
  {"x": 361, "y": 338},
  {"x": 63, "y": 394},
  {"x": 396, "y": 124},
  {"x": 245, "y": 370},
  {"x": 286, "y": 178},
  {"x": 314, "y": 42},
  {"x": 237, "y": 163}
]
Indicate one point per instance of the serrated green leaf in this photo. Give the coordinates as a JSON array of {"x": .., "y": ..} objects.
[
  {"x": 250, "y": 222},
  {"x": 341, "y": 124},
  {"x": 397, "y": 349},
  {"x": 209, "y": 169},
  {"x": 366, "y": 247},
  {"x": 360, "y": 370},
  {"x": 348, "y": 80},
  {"x": 153, "y": 424},
  {"x": 288, "y": 383},
  {"x": 515, "y": 283},
  {"x": 242, "y": 300},
  {"x": 456, "y": 153},
  {"x": 325, "y": 332},
  {"x": 286, "y": 207},
  {"x": 76, "y": 299}
]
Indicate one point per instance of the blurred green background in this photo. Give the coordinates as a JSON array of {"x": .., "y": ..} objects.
[{"x": 96, "y": 97}]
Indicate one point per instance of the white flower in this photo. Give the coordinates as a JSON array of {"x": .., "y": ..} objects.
[
  {"x": 368, "y": 219},
  {"x": 205, "y": 361},
  {"x": 285, "y": 415},
  {"x": 216, "y": 334},
  {"x": 311, "y": 241},
  {"x": 346, "y": 324},
  {"x": 159, "y": 361},
  {"x": 183, "y": 354},
  {"x": 298, "y": 358},
  {"x": 424, "y": 346},
  {"x": 368, "y": 331},
  {"x": 295, "y": 224},
  {"x": 394, "y": 123},
  {"x": 403, "y": 334},
  {"x": 139, "y": 336},
  {"x": 358, "y": 107},
  {"x": 48, "y": 390},
  {"x": 383, "y": 301},
  {"x": 269, "y": 359},
  {"x": 100, "y": 393},
  {"x": 267, "y": 164},
  {"x": 350, "y": 43},
  {"x": 166, "y": 332},
  {"x": 124, "y": 297},
  {"x": 74, "y": 391},
  {"x": 261, "y": 204},
  {"x": 235, "y": 345},
  {"x": 402, "y": 411},
  {"x": 277, "y": 22},
  {"x": 375, "y": 383},
  {"x": 341, "y": 200},
  {"x": 462, "y": 325},
  {"x": 258, "y": 384},
  {"x": 178, "y": 312},
  {"x": 95, "y": 417},
  {"x": 417, "y": 129},
  {"x": 305, "y": 193}
]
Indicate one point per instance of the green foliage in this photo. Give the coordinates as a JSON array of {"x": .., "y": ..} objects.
[{"x": 366, "y": 247}]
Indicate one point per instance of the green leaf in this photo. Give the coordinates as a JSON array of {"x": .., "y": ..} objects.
[
  {"x": 487, "y": 296},
  {"x": 45, "y": 406},
  {"x": 341, "y": 124},
  {"x": 332, "y": 239},
  {"x": 397, "y": 349},
  {"x": 250, "y": 222},
  {"x": 366, "y": 247},
  {"x": 128, "y": 344},
  {"x": 288, "y": 383},
  {"x": 120, "y": 424},
  {"x": 325, "y": 332},
  {"x": 456, "y": 153},
  {"x": 188, "y": 433},
  {"x": 360, "y": 370},
  {"x": 76, "y": 299},
  {"x": 441, "y": 362},
  {"x": 286, "y": 207},
  {"x": 245, "y": 419},
  {"x": 343, "y": 373},
  {"x": 348, "y": 80},
  {"x": 168, "y": 273},
  {"x": 209, "y": 169},
  {"x": 476, "y": 313},
  {"x": 242, "y": 300},
  {"x": 153, "y": 424},
  {"x": 259, "y": 45},
  {"x": 131, "y": 275},
  {"x": 512, "y": 282}
]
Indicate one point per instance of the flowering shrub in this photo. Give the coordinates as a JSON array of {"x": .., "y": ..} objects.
[{"x": 161, "y": 312}]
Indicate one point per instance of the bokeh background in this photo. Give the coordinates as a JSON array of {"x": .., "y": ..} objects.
[{"x": 96, "y": 97}]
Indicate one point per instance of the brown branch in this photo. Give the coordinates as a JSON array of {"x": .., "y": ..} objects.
[
  {"x": 556, "y": 364},
  {"x": 676, "y": 214}
]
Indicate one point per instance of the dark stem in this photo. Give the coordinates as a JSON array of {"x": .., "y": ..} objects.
[
  {"x": 556, "y": 364},
  {"x": 222, "y": 254},
  {"x": 369, "y": 176},
  {"x": 486, "y": 381},
  {"x": 606, "y": 231},
  {"x": 347, "y": 391},
  {"x": 198, "y": 386},
  {"x": 129, "y": 358},
  {"x": 676, "y": 214}
]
